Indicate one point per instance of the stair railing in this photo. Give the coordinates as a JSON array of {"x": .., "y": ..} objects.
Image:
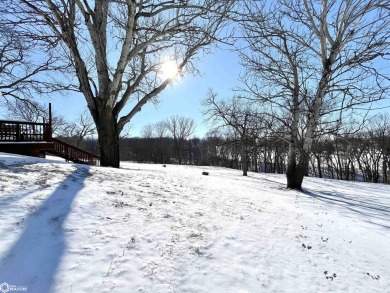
[{"x": 74, "y": 154}]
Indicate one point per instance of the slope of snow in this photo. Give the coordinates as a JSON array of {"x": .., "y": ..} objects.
[{"x": 145, "y": 228}]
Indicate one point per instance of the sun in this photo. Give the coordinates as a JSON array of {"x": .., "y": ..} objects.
[{"x": 169, "y": 69}]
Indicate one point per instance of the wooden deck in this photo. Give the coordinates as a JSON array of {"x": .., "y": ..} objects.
[
  {"x": 25, "y": 138},
  {"x": 35, "y": 139}
]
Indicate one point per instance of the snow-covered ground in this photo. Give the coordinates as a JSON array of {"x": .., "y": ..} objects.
[{"x": 148, "y": 228}]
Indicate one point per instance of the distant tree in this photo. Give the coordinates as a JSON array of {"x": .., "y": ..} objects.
[
  {"x": 161, "y": 132},
  {"x": 210, "y": 148},
  {"x": 309, "y": 63},
  {"x": 192, "y": 153},
  {"x": 80, "y": 129},
  {"x": 237, "y": 114},
  {"x": 381, "y": 128},
  {"x": 148, "y": 131},
  {"x": 118, "y": 50},
  {"x": 181, "y": 128},
  {"x": 161, "y": 129},
  {"x": 149, "y": 138},
  {"x": 319, "y": 149},
  {"x": 157, "y": 146},
  {"x": 374, "y": 149}
]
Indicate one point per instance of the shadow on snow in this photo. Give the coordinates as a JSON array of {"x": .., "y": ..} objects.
[
  {"x": 373, "y": 210},
  {"x": 34, "y": 258}
]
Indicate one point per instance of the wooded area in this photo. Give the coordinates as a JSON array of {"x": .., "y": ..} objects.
[{"x": 360, "y": 156}]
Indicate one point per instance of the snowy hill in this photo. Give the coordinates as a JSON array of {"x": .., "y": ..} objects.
[{"x": 146, "y": 228}]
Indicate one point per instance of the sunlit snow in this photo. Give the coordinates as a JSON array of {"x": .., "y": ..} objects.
[{"x": 148, "y": 228}]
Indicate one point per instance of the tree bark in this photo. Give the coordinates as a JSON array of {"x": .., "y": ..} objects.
[
  {"x": 296, "y": 168},
  {"x": 108, "y": 137}
]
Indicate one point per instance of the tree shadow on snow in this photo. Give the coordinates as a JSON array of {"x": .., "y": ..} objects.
[
  {"x": 371, "y": 209},
  {"x": 19, "y": 165},
  {"x": 34, "y": 258}
]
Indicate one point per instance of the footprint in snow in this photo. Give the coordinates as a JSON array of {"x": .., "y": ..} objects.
[
  {"x": 330, "y": 276},
  {"x": 377, "y": 277}
]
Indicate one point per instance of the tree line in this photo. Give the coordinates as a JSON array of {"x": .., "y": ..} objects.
[
  {"x": 239, "y": 140},
  {"x": 358, "y": 154}
]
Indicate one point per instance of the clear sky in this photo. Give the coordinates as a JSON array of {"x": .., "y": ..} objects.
[{"x": 219, "y": 71}]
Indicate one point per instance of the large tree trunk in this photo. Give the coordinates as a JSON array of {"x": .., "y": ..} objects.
[
  {"x": 294, "y": 177},
  {"x": 294, "y": 174},
  {"x": 294, "y": 180},
  {"x": 296, "y": 170},
  {"x": 108, "y": 137}
]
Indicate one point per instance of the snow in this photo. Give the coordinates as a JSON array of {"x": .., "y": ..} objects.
[{"x": 148, "y": 228}]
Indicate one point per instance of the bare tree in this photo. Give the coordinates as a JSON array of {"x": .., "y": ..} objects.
[
  {"x": 119, "y": 49},
  {"x": 149, "y": 135},
  {"x": 374, "y": 150},
  {"x": 81, "y": 128},
  {"x": 181, "y": 128},
  {"x": 237, "y": 114},
  {"x": 148, "y": 131},
  {"x": 310, "y": 63},
  {"x": 26, "y": 111},
  {"x": 382, "y": 131},
  {"x": 161, "y": 129},
  {"x": 157, "y": 141},
  {"x": 28, "y": 66}
]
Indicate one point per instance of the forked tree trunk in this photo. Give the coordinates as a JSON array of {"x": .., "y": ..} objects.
[
  {"x": 296, "y": 168},
  {"x": 293, "y": 180},
  {"x": 108, "y": 137},
  {"x": 295, "y": 174}
]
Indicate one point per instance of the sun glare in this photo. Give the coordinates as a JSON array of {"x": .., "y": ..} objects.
[{"x": 169, "y": 69}]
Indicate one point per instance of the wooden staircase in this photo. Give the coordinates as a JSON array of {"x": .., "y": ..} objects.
[
  {"x": 74, "y": 154},
  {"x": 35, "y": 139}
]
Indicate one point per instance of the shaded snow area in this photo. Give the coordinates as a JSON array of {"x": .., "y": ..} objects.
[{"x": 148, "y": 228}]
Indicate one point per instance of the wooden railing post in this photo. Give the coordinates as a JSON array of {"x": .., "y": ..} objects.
[
  {"x": 18, "y": 131},
  {"x": 50, "y": 124}
]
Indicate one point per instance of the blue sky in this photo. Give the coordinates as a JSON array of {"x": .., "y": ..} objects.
[{"x": 219, "y": 71}]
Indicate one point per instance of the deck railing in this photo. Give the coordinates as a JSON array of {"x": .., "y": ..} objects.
[{"x": 19, "y": 131}]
